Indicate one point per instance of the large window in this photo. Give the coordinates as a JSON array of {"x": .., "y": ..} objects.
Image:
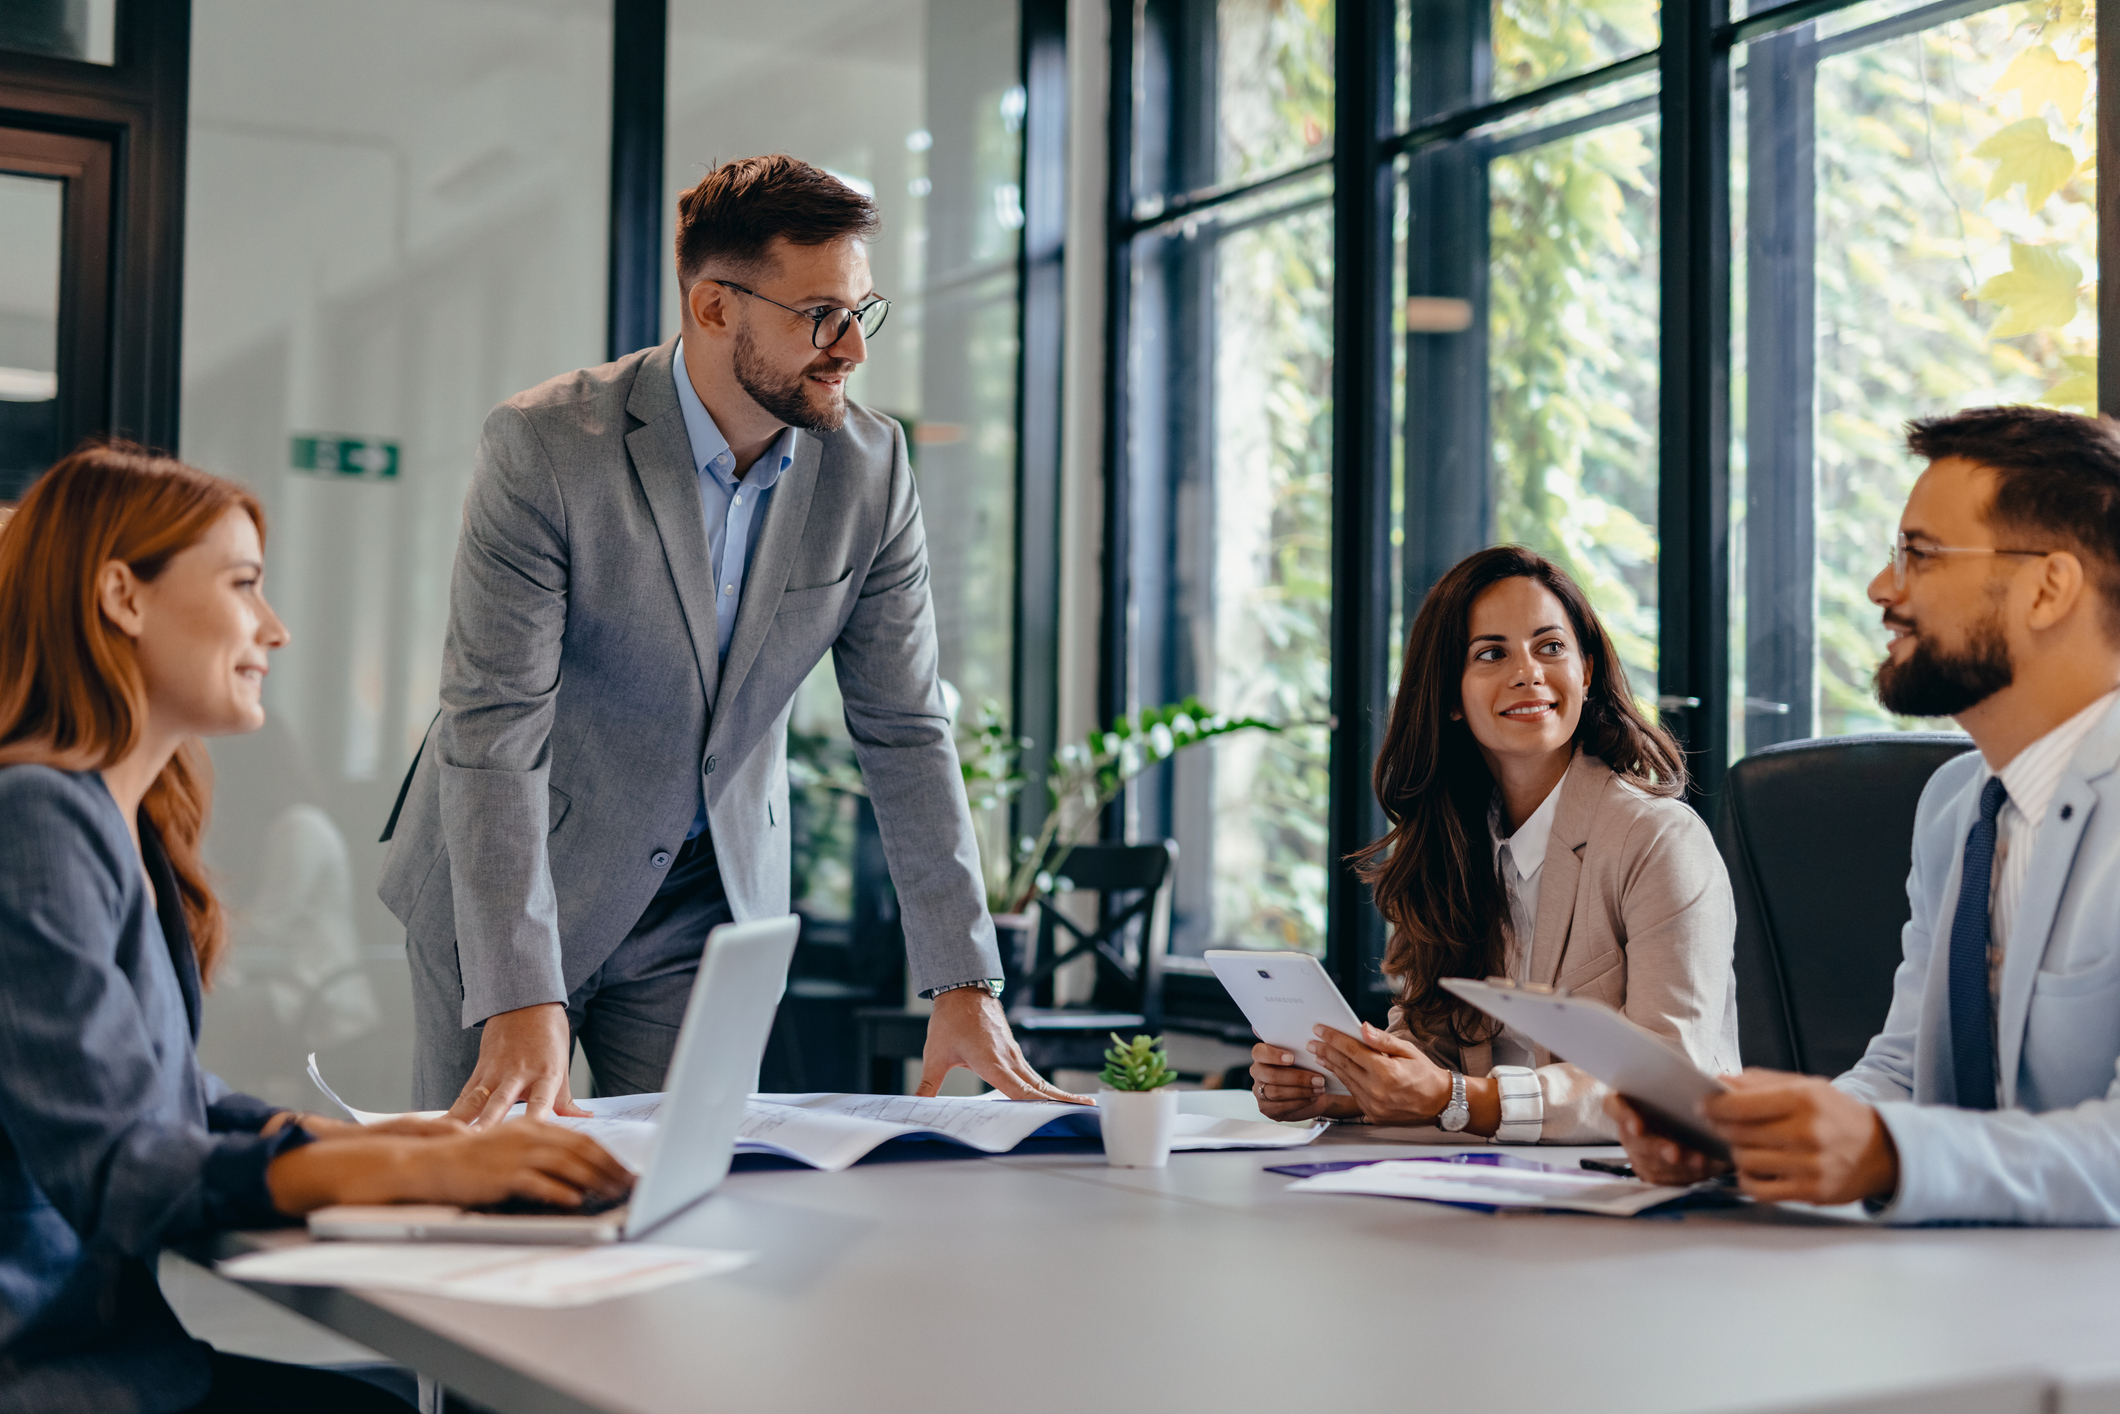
[
  {"x": 1652, "y": 289},
  {"x": 918, "y": 103},
  {"x": 1918, "y": 229},
  {"x": 1229, "y": 291},
  {"x": 1536, "y": 241}
]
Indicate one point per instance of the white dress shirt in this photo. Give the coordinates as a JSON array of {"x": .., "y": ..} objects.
[
  {"x": 2031, "y": 778},
  {"x": 1521, "y": 859},
  {"x": 734, "y": 509}
]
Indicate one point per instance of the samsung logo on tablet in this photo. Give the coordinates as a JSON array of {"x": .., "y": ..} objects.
[{"x": 1291, "y": 1001}]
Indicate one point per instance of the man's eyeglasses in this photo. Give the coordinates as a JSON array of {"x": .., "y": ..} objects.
[
  {"x": 1905, "y": 552},
  {"x": 828, "y": 324}
]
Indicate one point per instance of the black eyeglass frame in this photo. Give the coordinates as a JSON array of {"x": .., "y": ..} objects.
[{"x": 818, "y": 316}]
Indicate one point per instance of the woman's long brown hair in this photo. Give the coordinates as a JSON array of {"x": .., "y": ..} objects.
[
  {"x": 1433, "y": 873},
  {"x": 71, "y": 692}
]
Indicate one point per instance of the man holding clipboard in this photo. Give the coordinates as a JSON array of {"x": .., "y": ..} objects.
[{"x": 1990, "y": 1094}]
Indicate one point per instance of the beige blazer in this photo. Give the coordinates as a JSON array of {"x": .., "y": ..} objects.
[{"x": 1634, "y": 909}]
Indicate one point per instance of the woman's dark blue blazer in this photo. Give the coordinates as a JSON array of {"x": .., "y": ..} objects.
[{"x": 112, "y": 1141}]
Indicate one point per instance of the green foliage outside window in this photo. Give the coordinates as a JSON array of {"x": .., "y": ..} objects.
[
  {"x": 1957, "y": 266},
  {"x": 1272, "y": 546},
  {"x": 1572, "y": 372},
  {"x": 1538, "y": 41}
]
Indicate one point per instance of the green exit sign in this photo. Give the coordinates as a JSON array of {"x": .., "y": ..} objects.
[{"x": 328, "y": 455}]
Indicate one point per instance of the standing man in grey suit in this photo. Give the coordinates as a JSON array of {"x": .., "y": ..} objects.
[{"x": 654, "y": 555}]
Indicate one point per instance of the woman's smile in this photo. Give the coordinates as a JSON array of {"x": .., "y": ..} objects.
[{"x": 1536, "y": 710}]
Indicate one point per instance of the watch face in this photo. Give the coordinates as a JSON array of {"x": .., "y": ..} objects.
[{"x": 1455, "y": 1118}]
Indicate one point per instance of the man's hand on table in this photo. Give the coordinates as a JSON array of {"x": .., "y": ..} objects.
[
  {"x": 1794, "y": 1138},
  {"x": 522, "y": 1055},
  {"x": 968, "y": 1029}
]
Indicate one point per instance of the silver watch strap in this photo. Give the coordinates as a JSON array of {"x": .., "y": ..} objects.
[
  {"x": 1457, "y": 1114},
  {"x": 992, "y": 986},
  {"x": 1523, "y": 1104}
]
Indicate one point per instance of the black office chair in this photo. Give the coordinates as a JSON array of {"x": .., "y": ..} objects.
[
  {"x": 1818, "y": 837},
  {"x": 1128, "y": 994}
]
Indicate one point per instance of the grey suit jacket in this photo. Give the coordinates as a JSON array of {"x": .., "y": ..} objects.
[
  {"x": 2050, "y": 1150},
  {"x": 1634, "y": 910},
  {"x": 583, "y": 707}
]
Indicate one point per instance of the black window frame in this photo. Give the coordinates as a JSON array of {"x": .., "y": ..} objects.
[
  {"x": 1445, "y": 515},
  {"x": 120, "y": 333}
]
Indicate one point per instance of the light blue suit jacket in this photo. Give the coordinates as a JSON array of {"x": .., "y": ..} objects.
[{"x": 2050, "y": 1152}]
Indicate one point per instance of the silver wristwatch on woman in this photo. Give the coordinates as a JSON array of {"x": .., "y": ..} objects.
[{"x": 1457, "y": 1114}]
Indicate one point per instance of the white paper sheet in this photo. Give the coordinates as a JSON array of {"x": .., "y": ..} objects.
[
  {"x": 623, "y": 1124},
  {"x": 832, "y": 1131},
  {"x": 1190, "y": 1132},
  {"x": 1500, "y": 1187},
  {"x": 508, "y": 1276}
]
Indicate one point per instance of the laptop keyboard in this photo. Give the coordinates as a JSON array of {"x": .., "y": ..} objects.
[{"x": 589, "y": 1207}]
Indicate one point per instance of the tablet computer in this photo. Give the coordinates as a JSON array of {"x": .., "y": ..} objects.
[
  {"x": 1284, "y": 995},
  {"x": 1653, "y": 1075}
]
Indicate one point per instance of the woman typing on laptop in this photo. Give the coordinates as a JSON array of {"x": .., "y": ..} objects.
[
  {"x": 131, "y": 624},
  {"x": 1536, "y": 834}
]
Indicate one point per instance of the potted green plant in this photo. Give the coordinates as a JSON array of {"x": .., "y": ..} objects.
[
  {"x": 1137, "y": 1109},
  {"x": 1083, "y": 778}
]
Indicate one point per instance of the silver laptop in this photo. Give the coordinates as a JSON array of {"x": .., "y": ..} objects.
[{"x": 742, "y": 973}]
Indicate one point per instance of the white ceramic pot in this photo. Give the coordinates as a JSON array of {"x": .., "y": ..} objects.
[{"x": 1137, "y": 1125}]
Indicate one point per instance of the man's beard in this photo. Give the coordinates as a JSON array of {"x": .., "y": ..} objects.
[
  {"x": 1933, "y": 683},
  {"x": 787, "y": 398}
]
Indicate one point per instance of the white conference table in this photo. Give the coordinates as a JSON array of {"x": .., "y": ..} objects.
[{"x": 1047, "y": 1281}]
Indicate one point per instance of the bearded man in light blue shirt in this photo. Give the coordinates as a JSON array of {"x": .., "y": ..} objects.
[{"x": 1992, "y": 1094}]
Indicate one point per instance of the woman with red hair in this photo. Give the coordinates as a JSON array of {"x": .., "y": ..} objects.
[{"x": 133, "y": 625}]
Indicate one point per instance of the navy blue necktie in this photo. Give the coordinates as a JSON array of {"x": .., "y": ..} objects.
[{"x": 1972, "y": 1005}]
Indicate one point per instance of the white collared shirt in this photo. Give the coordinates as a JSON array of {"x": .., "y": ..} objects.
[
  {"x": 734, "y": 511},
  {"x": 1521, "y": 860},
  {"x": 2031, "y": 777}
]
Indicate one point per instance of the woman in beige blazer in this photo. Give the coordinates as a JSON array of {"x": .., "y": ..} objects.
[{"x": 1536, "y": 834}]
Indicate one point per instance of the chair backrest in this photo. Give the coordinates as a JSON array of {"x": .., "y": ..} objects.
[
  {"x": 1128, "y": 880},
  {"x": 1818, "y": 836}
]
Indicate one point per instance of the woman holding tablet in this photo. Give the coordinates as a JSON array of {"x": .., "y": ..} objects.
[
  {"x": 133, "y": 625},
  {"x": 1536, "y": 834}
]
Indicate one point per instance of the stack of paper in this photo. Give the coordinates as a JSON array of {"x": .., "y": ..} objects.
[
  {"x": 1495, "y": 1187},
  {"x": 832, "y": 1131}
]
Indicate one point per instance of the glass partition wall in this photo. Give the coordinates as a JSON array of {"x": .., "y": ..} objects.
[
  {"x": 378, "y": 250},
  {"x": 1652, "y": 289}
]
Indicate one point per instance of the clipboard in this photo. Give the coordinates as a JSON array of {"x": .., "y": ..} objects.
[{"x": 1652, "y": 1074}]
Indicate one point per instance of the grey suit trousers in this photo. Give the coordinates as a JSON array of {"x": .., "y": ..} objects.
[{"x": 625, "y": 1016}]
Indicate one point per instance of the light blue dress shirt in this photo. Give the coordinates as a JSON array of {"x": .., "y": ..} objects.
[{"x": 734, "y": 512}]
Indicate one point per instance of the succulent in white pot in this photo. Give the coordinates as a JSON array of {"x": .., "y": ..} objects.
[{"x": 1137, "y": 1108}]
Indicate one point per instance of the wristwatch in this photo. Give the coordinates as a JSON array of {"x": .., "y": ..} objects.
[
  {"x": 993, "y": 986},
  {"x": 1523, "y": 1104},
  {"x": 1457, "y": 1114}
]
